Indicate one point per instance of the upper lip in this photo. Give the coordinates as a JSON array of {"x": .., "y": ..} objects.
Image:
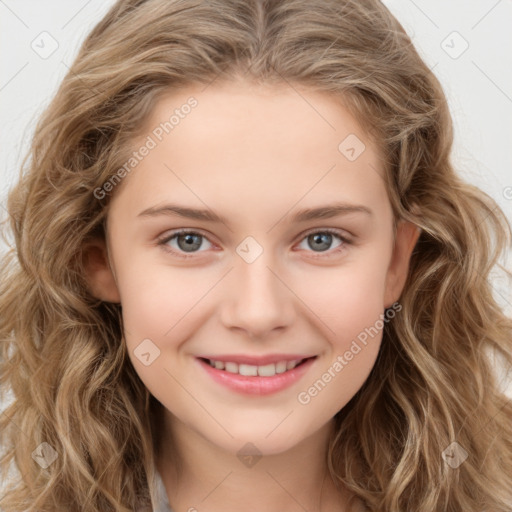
[{"x": 257, "y": 360}]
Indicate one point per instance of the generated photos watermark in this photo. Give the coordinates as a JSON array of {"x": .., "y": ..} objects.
[
  {"x": 304, "y": 397},
  {"x": 151, "y": 142}
]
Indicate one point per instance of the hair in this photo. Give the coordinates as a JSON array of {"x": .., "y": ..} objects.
[{"x": 63, "y": 355}]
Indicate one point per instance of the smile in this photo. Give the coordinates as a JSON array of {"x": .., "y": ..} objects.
[
  {"x": 249, "y": 370},
  {"x": 256, "y": 380}
]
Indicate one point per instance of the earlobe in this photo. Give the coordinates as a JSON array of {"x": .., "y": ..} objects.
[
  {"x": 407, "y": 235},
  {"x": 98, "y": 272}
]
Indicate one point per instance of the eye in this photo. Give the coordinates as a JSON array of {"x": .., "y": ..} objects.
[
  {"x": 186, "y": 241},
  {"x": 321, "y": 241}
]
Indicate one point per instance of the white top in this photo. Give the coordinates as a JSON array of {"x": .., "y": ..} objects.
[{"x": 161, "y": 503}]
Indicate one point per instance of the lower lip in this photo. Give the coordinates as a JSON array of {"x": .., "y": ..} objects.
[{"x": 257, "y": 385}]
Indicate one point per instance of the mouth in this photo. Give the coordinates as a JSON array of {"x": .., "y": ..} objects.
[
  {"x": 256, "y": 380},
  {"x": 250, "y": 370}
]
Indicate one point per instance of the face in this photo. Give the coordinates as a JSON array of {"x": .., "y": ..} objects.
[{"x": 296, "y": 259}]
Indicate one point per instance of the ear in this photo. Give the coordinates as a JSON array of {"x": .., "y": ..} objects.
[
  {"x": 98, "y": 272},
  {"x": 407, "y": 235}
]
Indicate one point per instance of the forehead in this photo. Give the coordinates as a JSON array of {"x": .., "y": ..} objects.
[
  {"x": 243, "y": 143},
  {"x": 281, "y": 119}
]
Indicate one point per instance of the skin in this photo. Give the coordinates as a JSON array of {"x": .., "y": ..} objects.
[{"x": 255, "y": 155}]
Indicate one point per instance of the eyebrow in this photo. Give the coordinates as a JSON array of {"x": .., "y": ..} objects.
[{"x": 321, "y": 212}]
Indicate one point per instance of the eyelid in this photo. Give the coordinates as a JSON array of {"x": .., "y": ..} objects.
[
  {"x": 169, "y": 235},
  {"x": 346, "y": 240},
  {"x": 344, "y": 236}
]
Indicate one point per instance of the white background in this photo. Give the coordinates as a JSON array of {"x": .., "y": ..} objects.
[{"x": 478, "y": 83}]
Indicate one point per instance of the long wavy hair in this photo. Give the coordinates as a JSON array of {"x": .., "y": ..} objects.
[{"x": 62, "y": 351}]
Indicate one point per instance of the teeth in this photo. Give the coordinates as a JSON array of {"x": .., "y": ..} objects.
[
  {"x": 281, "y": 367},
  {"x": 247, "y": 369},
  {"x": 232, "y": 367},
  {"x": 290, "y": 365},
  {"x": 268, "y": 370}
]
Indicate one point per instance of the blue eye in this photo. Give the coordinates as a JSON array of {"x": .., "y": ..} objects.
[
  {"x": 187, "y": 242},
  {"x": 322, "y": 240}
]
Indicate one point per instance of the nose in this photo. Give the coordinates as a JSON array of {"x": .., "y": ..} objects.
[{"x": 259, "y": 301}]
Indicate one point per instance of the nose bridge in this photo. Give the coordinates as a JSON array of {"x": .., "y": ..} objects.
[{"x": 259, "y": 301}]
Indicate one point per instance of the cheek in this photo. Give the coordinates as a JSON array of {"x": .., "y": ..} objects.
[
  {"x": 348, "y": 298},
  {"x": 155, "y": 296},
  {"x": 156, "y": 306},
  {"x": 349, "y": 301},
  {"x": 360, "y": 303},
  {"x": 162, "y": 307},
  {"x": 149, "y": 307}
]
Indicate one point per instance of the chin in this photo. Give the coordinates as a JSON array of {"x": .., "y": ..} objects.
[{"x": 260, "y": 443}]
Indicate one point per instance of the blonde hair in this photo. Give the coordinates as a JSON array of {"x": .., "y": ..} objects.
[{"x": 62, "y": 350}]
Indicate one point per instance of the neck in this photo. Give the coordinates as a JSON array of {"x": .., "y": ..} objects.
[{"x": 198, "y": 474}]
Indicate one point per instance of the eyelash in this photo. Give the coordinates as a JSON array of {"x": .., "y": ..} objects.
[{"x": 162, "y": 241}]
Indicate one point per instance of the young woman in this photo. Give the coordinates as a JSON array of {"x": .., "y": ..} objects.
[{"x": 246, "y": 275}]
